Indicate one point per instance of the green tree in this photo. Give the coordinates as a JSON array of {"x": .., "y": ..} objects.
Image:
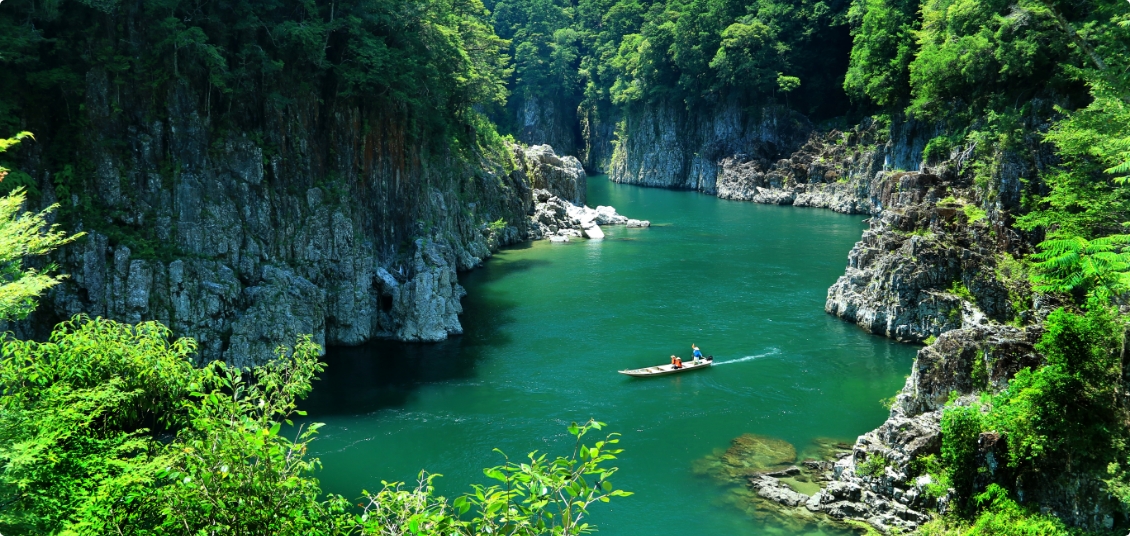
[
  {"x": 883, "y": 46},
  {"x": 23, "y": 235},
  {"x": 1086, "y": 211},
  {"x": 82, "y": 426},
  {"x": 1065, "y": 415},
  {"x": 746, "y": 57},
  {"x": 960, "y": 428}
]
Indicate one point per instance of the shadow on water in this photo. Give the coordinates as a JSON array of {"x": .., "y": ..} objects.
[
  {"x": 382, "y": 374},
  {"x": 492, "y": 270}
]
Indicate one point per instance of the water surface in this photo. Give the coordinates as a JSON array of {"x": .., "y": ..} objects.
[{"x": 548, "y": 325}]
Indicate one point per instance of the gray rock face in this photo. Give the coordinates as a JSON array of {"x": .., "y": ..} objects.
[
  {"x": 558, "y": 219},
  {"x": 308, "y": 223},
  {"x": 670, "y": 148},
  {"x": 774, "y": 158},
  {"x": 598, "y": 129},
  {"x": 562, "y": 175},
  {"x": 543, "y": 121},
  {"x": 922, "y": 269}
]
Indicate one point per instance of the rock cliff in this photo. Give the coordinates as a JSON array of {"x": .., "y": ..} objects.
[
  {"x": 324, "y": 218},
  {"x": 878, "y": 483},
  {"x": 936, "y": 265},
  {"x": 598, "y": 130},
  {"x": 548, "y": 121},
  {"x": 664, "y": 145}
]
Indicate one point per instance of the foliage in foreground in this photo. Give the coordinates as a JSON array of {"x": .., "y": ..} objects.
[
  {"x": 109, "y": 428},
  {"x": 536, "y": 496},
  {"x": 23, "y": 235}
]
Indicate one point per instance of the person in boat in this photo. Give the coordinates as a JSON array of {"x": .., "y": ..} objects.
[
  {"x": 678, "y": 362},
  {"x": 697, "y": 353}
]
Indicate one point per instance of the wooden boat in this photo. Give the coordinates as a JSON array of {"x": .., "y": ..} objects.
[{"x": 663, "y": 370}]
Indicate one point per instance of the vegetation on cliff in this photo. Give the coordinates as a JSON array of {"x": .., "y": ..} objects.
[
  {"x": 250, "y": 58},
  {"x": 108, "y": 426},
  {"x": 606, "y": 54},
  {"x": 96, "y": 79},
  {"x": 999, "y": 65}
]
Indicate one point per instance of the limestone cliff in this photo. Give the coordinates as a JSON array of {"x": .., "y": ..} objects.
[{"x": 324, "y": 218}]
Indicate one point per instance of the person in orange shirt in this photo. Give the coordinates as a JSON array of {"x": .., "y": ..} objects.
[{"x": 678, "y": 363}]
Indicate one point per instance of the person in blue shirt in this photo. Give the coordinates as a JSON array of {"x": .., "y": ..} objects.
[{"x": 697, "y": 353}]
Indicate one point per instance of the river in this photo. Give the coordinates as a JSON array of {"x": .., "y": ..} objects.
[{"x": 548, "y": 325}]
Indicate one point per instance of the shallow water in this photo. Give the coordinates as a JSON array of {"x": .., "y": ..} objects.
[{"x": 548, "y": 325}]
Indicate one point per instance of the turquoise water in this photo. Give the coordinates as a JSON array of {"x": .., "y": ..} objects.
[{"x": 548, "y": 325}]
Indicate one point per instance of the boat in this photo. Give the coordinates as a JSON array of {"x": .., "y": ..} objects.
[{"x": 663, "y": 370}]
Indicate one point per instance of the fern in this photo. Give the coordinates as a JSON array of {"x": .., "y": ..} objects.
[
  {"x": 1100, "y": 267},
  {"x": 1120, "y": 169}
]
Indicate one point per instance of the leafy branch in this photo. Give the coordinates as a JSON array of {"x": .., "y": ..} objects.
[{"x": 1100, "y": 267}]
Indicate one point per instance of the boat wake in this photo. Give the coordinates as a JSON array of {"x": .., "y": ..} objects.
[{"x": 774, "y": 351}]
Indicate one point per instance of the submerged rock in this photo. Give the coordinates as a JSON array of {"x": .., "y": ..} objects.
[
  {"x": 767, "y": 485},
  {"x": 748, "y": 455}
]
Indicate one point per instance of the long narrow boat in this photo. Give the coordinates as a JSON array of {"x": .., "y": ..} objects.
[{"x": 663, "y": 370}]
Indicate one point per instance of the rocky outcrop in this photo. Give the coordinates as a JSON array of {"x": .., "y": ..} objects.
[
  {"x": 559, "y": 220},
  {"x": 879, "y": 483},
  {"x": 563, "y": 176},
  {"x": 923, "y": 269},
  {"x": 319, "y": 220},
  {"x": 962, "y": 363},
  {"x": 666, "y": 146}
]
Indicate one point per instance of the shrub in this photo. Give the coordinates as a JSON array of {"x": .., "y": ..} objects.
[
  {"x": 108, "y": 428},
  {"x": 1062, "y": 416},
  {"x": 961, "y": 426},
  {"x": 874, "y": 465}
]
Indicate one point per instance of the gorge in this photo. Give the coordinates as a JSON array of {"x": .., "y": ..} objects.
[
  {"x": 254, "y": 172},
  {"x": 547, "y": 326}
]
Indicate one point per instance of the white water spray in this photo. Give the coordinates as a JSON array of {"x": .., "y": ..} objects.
[{"x": 773, "y": 351}]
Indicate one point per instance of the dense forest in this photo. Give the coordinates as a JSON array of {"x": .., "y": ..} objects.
[{"x": 115, "y": 428}]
